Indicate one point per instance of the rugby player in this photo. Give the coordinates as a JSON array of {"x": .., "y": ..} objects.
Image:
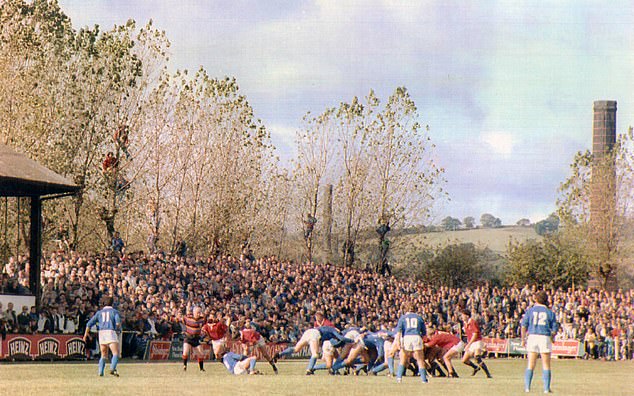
[
  {"x": 475, "y": 347},
  {"x": 451, "y": 345},
  {"x": 193, "y": 328},
  {"x": 409, "y": 334},
  {"x": 540, "y": 323},
  {"x": 250, "y": 337},
  {"x": 216, "y": 329},
  {"x": 108, "y": 322},
  {"x": 312, "y": 338},
  {"x": 239, "y": 364}
]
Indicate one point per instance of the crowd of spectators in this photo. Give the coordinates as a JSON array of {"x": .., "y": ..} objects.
[{"x": 153, "y": 290}]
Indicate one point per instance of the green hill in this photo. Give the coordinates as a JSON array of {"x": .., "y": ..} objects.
[{"x": 496, "y": 239}]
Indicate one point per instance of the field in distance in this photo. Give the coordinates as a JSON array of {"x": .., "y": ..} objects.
[
  {"x": 496, "y": 239},
  {"x": 570, "y": 377}
]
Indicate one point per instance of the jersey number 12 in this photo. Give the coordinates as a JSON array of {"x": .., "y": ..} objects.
[{"x": 539, "y": 318}]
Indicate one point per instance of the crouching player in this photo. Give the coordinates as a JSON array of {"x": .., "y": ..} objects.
[
  {"x": 239, "y": 364},
  {"x": 367, "y": 349},
  {"x": 389, "y": 351},
  {"x": 193, "y": 328},
  {"x": 108, "y": 321},
  {"x": 451, "y": 345},
  {"x": 250, "y": 337},
  {"x": 312, "y": 338}
]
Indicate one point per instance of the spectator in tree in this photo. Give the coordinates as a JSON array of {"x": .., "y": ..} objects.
[
  {"x": 121, "y": 138},
  {"x": 309, "y": 225},
  {"x": 61, "y": 237},
  {"x": 181, "y": 248},
  {"x": 109, "y": 163},
  {"x": 117, "y": 243}
]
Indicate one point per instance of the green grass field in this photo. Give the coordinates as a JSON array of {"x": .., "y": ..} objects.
[
  {"x": 496, "y": 239},
  {"x": 570, "y": 377}
]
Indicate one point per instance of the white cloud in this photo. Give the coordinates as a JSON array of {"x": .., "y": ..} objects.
[{"x": 500, "y": 142}]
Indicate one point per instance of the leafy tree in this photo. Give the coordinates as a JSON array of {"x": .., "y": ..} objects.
[
  {"x": 455, "y": 265},
  {"x": 489, "y": 221},
  {"x": 524, "y": 222},
  {"x": 469, "y": 222},
  {"x": 547, "y": 226},
  {"x": 554, "y": 261},
  {"x": 450, "y": 224},
  {"x": 315, "y": 149},
  {"x": 404, "y": 179},
  {"x": 602, "y": 225}
]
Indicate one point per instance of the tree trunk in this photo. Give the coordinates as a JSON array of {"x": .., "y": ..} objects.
[{"x": 327, "y": 215}]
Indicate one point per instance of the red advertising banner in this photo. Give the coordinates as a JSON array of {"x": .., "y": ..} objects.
[
  {"x": 42, "y": 346},
  {"x": 566, "y": 348},
  {"x": 159, "y": 350},
  {"x": 496, "y": 345}
]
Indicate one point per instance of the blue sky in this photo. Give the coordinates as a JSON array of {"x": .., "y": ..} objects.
[{"x": 506, "y": 87}]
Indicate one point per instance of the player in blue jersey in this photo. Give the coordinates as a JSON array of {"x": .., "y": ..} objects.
[
  {"x": 239, "y": 364},
  {"x": 541, "y": 325},
  {"x": 388, "y": 353},
  {"x": 312, "y": 338},
  {"x": 410, "y": 331},
  {"x": 108, "y": 321}
]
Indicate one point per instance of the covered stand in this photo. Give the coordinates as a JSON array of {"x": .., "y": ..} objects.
[{"x": 20, "y": 176}]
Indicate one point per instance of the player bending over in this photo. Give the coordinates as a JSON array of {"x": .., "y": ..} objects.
[
  {"x": 388, "y": 353},
  {"x": 250, "y": 337},
  {"x": 108, "y": 321},
  {"x": 541, "y": 325},
  {"x": 451, "y": 345},
  {"x": 312, "y": 338},
  {"x": 193, "y": 328}
]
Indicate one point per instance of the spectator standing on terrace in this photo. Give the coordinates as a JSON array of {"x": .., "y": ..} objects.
[
  {"x": 24, "y": 321},
  {"x": 11, "y": 318}
]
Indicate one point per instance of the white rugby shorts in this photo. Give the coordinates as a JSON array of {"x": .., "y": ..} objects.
[
  {"x": 328, "y": 349},
  {"x": 107, "y": 337},
  {"x": 218, "y": 343},
  {"x": 539, "y": 343},
  {"x": 310, "y": 335},
  {"x": 412, "y": 343},
  {"x": 477, "y": 348},
  {"x": 458, "y": 348},
  {"x": 241, "y": 367}
]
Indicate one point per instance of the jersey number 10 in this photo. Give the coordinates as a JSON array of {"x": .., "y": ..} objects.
[{"x": 412, "y": 323}]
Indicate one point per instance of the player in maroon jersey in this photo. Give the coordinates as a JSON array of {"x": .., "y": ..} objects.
[
  {"x": 475, "y": 347},
  {"x": 193, "y": 327},
  {"x": 251, "y": 338},
  {"x": 451, "y": 345},
  {"x": 217, "y": 329},
  {"x": 321, "y": 320}
]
